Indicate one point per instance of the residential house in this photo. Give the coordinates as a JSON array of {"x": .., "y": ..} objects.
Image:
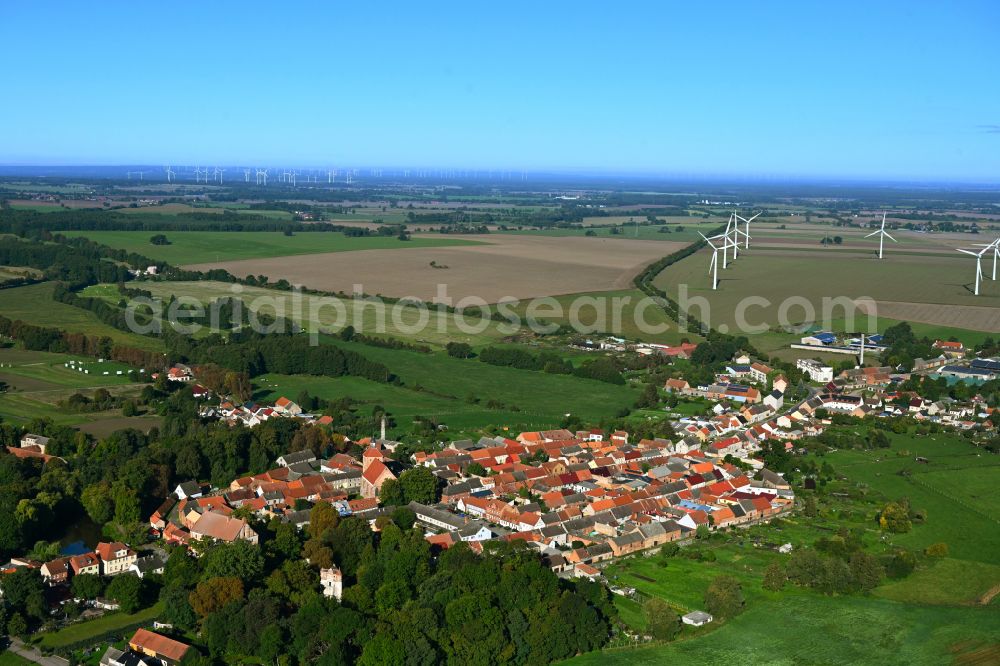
[
  {"x": 116, "y": 557},
  {"x": 286, "y": 407},
  {"x": 219, "y": 527},
  {"x": 34, "y": 442},
  {"x": 759, "y": 372},
  {"x": 151, "y": 564},
  {"x": 818, "y": 372},
  {"x": 166, "y": 650},
  {"x": 85, "y": 563},
  {"x": 188, "y": 490},
  {"x": 56, "y": 571},
  {"x": 289, "y": 459},
  {"x": 775, "y": 400},
  {"x": 954, "y": 349}
]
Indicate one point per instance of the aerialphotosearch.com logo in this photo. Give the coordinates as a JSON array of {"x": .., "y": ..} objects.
[{"x": 586, "y": 314}]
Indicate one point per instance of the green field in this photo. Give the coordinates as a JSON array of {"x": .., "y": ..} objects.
[
  {"x": 812, "y": 629},
  {"x": 366, "y": 317},
  {"x": 400, "y": 322},
  {"x": 402, "y": 403},
  {"x": 34, "y": 305},
  {"x": 201, "y": 247},
  {"x": 779, "y": 275},
  {"x": 957, "y": 488},
  {"x": 11, "y": 659},
  {"x": 81, "y": 631},
  {"x": 38, "y": 381},
  {"x": 648, "y": 232},
  {"x": 542, "y": 398},
  {"x": 637, "y": 315}
]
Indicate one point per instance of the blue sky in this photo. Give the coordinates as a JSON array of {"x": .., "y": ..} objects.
[{"x": 887, "y": 90}]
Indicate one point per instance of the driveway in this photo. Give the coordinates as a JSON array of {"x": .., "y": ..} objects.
[{"x": 18, "y": 647}]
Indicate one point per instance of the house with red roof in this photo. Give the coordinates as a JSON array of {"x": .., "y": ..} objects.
[{"x": 115, "y": 557}]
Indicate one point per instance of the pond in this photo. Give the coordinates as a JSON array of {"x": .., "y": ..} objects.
[{"x": 81, "y": 536}]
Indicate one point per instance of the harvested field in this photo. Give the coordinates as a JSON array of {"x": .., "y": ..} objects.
[
  {"x": 933, "y": 289},
  {"x": 499, "y": 266},
  {"x": 973, "y": 317}
]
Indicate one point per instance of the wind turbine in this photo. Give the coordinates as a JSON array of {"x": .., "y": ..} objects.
[
  {"x": 713, "y": 266},
  {"x": 882, "y": 235},
  {"x": 246, "y": 174},
  {"x": 728, "y": 242},
  {"x": 995, "y": 246},
  {"x": 979, "y": 265},
  {"x": 170, "y": 174},
  {"x": 746, "y": 234}
]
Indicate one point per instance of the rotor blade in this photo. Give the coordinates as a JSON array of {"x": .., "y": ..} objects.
[
  {"x": 890, "y": 237},
  {"x": 753, "y": 218},
  {"x": 969, "y": 252},
  {"x": 875, "y": 233}
]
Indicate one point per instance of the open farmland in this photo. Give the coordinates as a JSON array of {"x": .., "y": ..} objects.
[
  {"x": 38, "y": 381},
  {"x": 202, "y": 247},
  {"x": 34, "y": 304},
  {"x": 678, "y": 229},
  {"x": 368, "y": 317},
  {"x": 539, "y": 397},
  {"x": 497, "y": 266},
  {"x": 905, "y": 281}
]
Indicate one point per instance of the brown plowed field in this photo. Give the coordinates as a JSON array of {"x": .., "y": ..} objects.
[{"x": 501, "y": 266}]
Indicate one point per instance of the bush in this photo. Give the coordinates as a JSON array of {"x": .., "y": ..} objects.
[{"x": 939, "y": 549}]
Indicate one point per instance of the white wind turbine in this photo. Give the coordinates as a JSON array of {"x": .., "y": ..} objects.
[
  {"x": 746, "y": 234},
  {"x": 995, "y": 246},
  {"x": 979, "y": 265},
  {"x": 170, "y": 174},
  {"x": 882, "y": 235},
  {"x": 713, "y": 266},
  {"x": 246, "y": 174}
]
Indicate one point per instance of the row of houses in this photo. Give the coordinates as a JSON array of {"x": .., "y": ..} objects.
[{"x": 107, "y": 559}]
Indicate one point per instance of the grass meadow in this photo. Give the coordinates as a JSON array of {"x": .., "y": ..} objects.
[
  {"x": 38, "y": 381},
  {"x": 82, "y": 631},
  {"x": 540, "y": 398},
  {"x": 34, "y": 305}
]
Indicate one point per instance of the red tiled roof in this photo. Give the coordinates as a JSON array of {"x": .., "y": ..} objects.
[{"x": 161, "y": 646}]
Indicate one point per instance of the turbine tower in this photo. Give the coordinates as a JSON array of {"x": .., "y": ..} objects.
[
  {"x": 713, "y": 266},
  {"x": 882, "y": 235},
  {"x": 979, "y": 265},
  {"x": 746, "y": 234},
  {"x": 995, "y": 246},
  {"x": 246, "y": 174}
]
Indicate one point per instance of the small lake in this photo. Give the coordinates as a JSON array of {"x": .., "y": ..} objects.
[{"x": 81, "y": 537}]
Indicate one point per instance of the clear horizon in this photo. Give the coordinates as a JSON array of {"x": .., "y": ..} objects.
[{"x": 893, "y": 93}]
